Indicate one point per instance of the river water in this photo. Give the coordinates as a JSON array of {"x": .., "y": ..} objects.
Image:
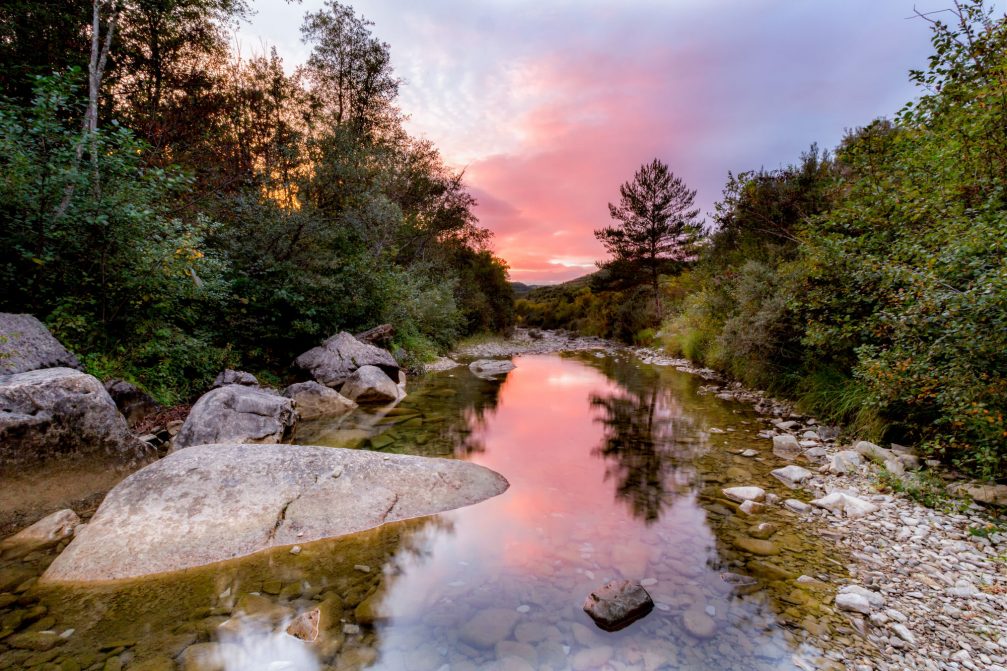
[{"x": 616, "y": 470}]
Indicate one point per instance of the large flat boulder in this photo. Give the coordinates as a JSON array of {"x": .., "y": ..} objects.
[
  {"x": 337, "y": 358},
  {"x": 59, "y": 412},
  {"x": 215, "y": 502},
  {"x": 26, "y": 345},
  {"x": 237, "y": 414}
]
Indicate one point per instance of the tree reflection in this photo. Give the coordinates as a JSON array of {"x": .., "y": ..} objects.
[{"x": 647, "y": 441}]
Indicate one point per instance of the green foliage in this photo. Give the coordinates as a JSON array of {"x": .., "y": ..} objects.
[
  {"x": 924, "y": 487},
  {"x": 588, "y": 307},
  {"x": 872, "y": 285},
  {"x": 89, "y": 243},
  {"x": 260, "y": 213}
]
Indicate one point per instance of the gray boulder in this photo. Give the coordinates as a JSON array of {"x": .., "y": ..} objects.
[
  {"x": 337, "y": 358},
  {"x": 618, "y": 604},
  {"x": 26, "y": 345},
  {"x": 491, "y": 368},
  {"x": 237, "y": 414},
  {"x": 132, "y": 403},
  {"x": 177, "y": 513},
  {"x": 845, "y": 462},
  {"x": 315, "y": 400},
  {"x": 874, "y": 452},
  {"x": 59, "y": 412},
  {"x": 229, "y": 376},
  {"x": 369, "y": 384}
]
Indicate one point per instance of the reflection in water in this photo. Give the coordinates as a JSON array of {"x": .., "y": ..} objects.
[
  {"x": 613, "y": 474},
  {"x": 648, "y": 443},
  {"x": 254, "y": 644}
]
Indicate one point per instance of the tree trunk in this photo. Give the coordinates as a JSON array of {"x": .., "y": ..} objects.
[{"x": 95, "y": 70}]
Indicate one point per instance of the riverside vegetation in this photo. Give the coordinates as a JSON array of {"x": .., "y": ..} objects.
[
  {"x": 868, "y": 283},
  {"x": 224, "y": 212}
]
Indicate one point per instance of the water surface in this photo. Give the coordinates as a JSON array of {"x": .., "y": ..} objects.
[{"x": 616, "y": 470}]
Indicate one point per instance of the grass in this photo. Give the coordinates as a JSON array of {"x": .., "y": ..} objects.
[
  {"x": 835, "y": 397},
  {"x": 925, "y": 488},
  {"x": 479, "y": 339}
]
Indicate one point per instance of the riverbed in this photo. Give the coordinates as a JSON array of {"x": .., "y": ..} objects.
[{"x": 616, "y": 469}]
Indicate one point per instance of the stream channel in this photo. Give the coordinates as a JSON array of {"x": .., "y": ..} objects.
[{"x": 616, "y": 470}]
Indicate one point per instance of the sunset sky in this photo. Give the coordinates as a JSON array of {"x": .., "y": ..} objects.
[{"x": 550, "y": 105}]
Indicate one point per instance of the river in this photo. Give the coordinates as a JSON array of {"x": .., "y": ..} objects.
[{"x": 616, "y": 470}]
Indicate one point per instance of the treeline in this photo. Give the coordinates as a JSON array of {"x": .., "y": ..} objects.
[
  {"x": 215, "y": 210},
  {"x": 869, "y": 283}
]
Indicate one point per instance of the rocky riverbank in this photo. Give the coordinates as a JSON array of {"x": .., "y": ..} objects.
[{"x": 927, "y": 587}]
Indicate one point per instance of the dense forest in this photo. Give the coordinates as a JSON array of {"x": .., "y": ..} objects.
[
  {"x": 171, "y": 206},
  {"x": 869, "y": 283}
]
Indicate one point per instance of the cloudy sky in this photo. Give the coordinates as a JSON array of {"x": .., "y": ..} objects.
[{"x": 549, "y": 105}]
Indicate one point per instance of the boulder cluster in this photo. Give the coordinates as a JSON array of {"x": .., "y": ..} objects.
[{"x": 229, "y": 457}]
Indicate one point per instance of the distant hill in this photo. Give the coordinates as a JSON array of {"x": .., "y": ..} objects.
[
  {"x": 521, "y": 289},
  {"x": 547, "y": 291}
]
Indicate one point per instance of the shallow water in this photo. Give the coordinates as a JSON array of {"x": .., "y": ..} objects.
[{"x": 616, "y": 470}]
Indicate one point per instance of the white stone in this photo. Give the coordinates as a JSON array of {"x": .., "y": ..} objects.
[
  {"x": 903, "y": 632},
  {"x": 792, "y": 476},
  {"x": 845, "y": 462},
  {"x": 741, "y": 494},
  {"x": 797, "y": 506},
  {"x": 873, "y": 598},
  {"x": 853, "y": 602},
  {"x": 873, "y": 452},
  {"x": 838, "y": 503}
]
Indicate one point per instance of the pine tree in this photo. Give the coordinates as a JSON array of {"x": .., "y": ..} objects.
[{"x": 658, "y": 227}]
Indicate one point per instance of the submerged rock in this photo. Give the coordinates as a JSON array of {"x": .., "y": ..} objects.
[
  {"x": 618, "y": 604},
  {"x": 491, "y": 368},
  {"x": 332, "y": 362},
  {"x": 209, "y": 503},
  {"x": 756, "y": 546},
  {"x": 787, "y": 447},
  {"x": 56, "y": 412},
  {"x": 698, "y": 623},
  {"x": 488, "y": 627},
  {"x": 27, "y": 345},
  {"x": 237, "y": 414},
  {"x": 316, "y": 400},
  {"x": 49, "y": 530}
]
